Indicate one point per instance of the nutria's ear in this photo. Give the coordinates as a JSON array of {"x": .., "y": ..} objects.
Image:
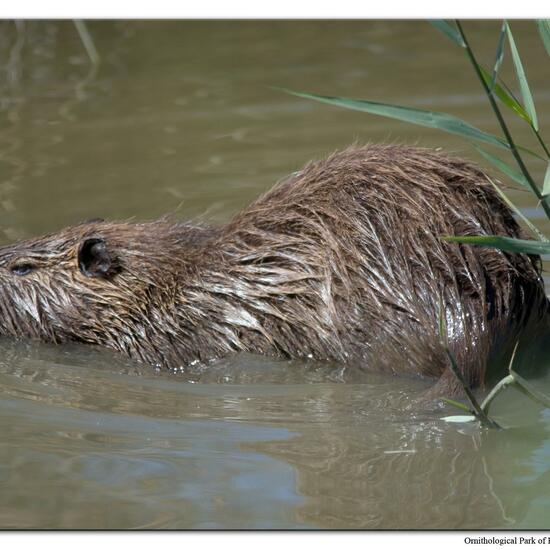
[{"x": 94, "y": 259}]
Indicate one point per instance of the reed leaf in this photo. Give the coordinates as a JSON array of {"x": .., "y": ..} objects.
[
  {"x": 457, "y": 404},
  {"x": 506, "y": 244},
  {"x": 535, "y": 230},
  {"x": 448, "y": 30},
  {"x": 546, "y": 184},
  {"x": 522, "y": 78},
  {"x": 513, "y": 174},
  {"x": 506, "y": 98},
  {"x": 544, "y": 31},
  {"x": 430, "y": 119},
  {"x": 499, "y": 56},
  {"x": 530, "y": 390},
  {"x": 459, "y": 418}
]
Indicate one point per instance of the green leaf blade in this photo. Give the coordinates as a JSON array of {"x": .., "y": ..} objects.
[
  {"x": 544, "y": 31},
  {"x": 457, "y": 404},
  {"x": 505, "y": 97},
  {"x": 522, "y": 78},
  {"x": 530, "y": 390},
  {"x": 449, "y": 31},
  {"x": 429, "y": 119},
  {"x": 506, "y": 244},
  {"x": 546, "y": 184},
  {"x": 459, "y": 418},
  {"x": 513, "y": 174},
  {"x": 534, "y": 229},
  {"x": 499, "y": 56}
]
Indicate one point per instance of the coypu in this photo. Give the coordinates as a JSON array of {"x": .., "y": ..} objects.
[{"x": 342, "y": 261}]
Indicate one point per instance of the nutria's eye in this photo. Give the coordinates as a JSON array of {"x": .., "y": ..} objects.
[{"x": 23, "y": 268}]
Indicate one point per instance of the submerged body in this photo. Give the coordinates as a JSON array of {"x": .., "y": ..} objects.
[{"x": 342, "y": 261}]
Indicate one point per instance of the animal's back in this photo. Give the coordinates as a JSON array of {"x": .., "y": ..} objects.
[
  {"x": 343, "y": 262},
  {"x": 362, "y": 232}
]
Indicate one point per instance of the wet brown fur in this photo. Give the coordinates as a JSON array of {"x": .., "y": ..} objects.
[{"x": 342, "y": 261}]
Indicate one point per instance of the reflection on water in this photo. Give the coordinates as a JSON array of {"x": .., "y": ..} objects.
[
  {"x": 182, "y": 117},
  {"x": 99, "y": 443},
  {"x": 99, "y": 470}
]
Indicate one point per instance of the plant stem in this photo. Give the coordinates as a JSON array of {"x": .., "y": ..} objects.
[
  {"x": 478, "y": 411},
  {"x": 503, "y": 125},
  {"x": 517, "y": 211},
  {"x": 514, "y": 380},
  {"x": 502, "y": 384},
  {"x": 535, "y": 131},
  {"x": 542, "y": 144},
  {"x": 526, "y": 388},
  {"x": 87, "y": 41}
]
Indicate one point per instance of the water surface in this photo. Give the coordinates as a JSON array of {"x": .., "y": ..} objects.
[{"x": 182, "y": 117}]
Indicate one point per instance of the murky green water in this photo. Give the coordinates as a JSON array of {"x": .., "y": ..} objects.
[{"x": 182, "y": 117}]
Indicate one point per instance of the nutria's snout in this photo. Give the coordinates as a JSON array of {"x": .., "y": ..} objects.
[{"x": 343, "y": 261}]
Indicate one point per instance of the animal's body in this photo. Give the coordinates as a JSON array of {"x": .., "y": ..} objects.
[{"x": 343, "y": 261}]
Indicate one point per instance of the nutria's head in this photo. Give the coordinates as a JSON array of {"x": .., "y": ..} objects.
[{"x": 95, "y": 282}]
